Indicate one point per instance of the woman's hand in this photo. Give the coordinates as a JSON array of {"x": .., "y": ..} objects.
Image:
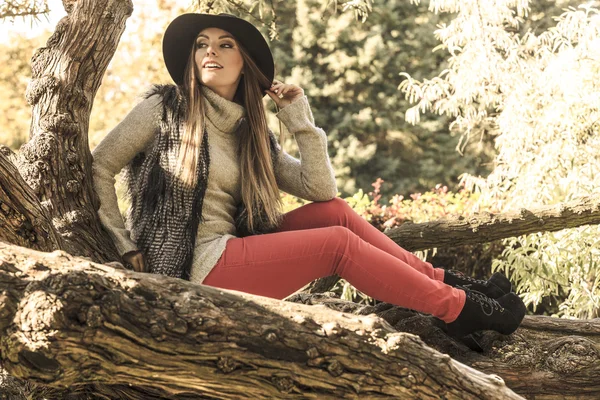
[
  {"x": 284, "y": 94},
  {"x": 136, "y": 259}
]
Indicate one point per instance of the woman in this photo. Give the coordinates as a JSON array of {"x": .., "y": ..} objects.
[{"x": 198, "y": 156}]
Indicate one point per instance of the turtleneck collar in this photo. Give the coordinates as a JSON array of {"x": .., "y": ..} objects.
[{"x": 221, "y": 113}]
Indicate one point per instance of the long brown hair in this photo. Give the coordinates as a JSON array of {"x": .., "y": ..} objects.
[{"x": 257, "y": 176}]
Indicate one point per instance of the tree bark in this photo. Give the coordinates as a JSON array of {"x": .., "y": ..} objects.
[
  {"x": 486, "y": 227},
  {"x": 56, "y": 162},
  {"x": 23, "y": 220},
  {"x": 65, "y": 321},
  {"x": 547, "y": 358}
]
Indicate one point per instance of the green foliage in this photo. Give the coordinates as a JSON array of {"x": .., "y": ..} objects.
[
  {"x": 437, "y": 203},
  {"x": 537, "y": 93},
  {"x": 561, "y": 267},
  {"x": 547, "y": 153},
  {"x": 350, "y": 73}
]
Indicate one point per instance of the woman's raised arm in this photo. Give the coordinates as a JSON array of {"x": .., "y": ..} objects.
[{"x": 311, "y": 177}]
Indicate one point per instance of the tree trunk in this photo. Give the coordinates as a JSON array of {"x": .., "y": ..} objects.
[
  {"x": 66, "y": 321},
  {"x": 56, "y": 162},
  {"x": 23, "y": 221}
]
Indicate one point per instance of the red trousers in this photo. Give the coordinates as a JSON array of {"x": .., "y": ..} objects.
[{"x": 326, "y": 238}]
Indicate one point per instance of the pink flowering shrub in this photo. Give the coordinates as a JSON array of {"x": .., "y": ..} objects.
[{"x": 437, "y": 203}]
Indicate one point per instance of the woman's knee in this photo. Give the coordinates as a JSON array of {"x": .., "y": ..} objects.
[
  {"x": 336, "y": 205},
  {"x": 340, "y": 237}
]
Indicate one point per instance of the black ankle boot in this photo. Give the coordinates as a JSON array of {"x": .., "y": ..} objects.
[
  {"x": 495, "y": 287},
  {"x": 481, "y": 312}
]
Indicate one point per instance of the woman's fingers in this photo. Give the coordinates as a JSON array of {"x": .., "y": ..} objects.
[
  {"x": 139, "y": 263},
  {"x": 278, "y": 87},
  {"x": 136, "y": 260},
  {"x": 282, "y": 89},
  {"x": 284, "y": 94}
]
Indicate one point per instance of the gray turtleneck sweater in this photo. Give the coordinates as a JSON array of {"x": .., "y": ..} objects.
[{"x": 311, "y": 178}]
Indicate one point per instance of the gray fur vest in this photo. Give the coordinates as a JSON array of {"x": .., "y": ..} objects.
[{"x": 163, "y": 216}]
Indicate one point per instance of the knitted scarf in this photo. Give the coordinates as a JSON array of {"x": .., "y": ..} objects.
[{"x": 164, "y": 214}]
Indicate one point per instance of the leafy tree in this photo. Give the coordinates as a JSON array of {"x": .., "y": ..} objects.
[
  {"x": 537, "y": 93},
  {"x": 350, "y": 71}
]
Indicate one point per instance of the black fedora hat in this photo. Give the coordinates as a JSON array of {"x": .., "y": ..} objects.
[{"x": 182, "y": 31}]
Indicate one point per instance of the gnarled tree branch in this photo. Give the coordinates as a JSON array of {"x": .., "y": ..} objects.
[
  {"x": 545, "y": 358},
  {"x": 487, "y": 227}
]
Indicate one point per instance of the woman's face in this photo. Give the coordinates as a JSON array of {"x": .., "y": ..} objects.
[{"x": 218, "y": 46}]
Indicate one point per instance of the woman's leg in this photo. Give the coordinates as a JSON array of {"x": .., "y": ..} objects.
[
  {"x": 278, "y": 264},
  {"x": 338, "y": 212}
]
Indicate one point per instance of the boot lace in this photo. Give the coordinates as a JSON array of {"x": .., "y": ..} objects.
[
  {"x": 488, "y": 305},
  {"x": 467, "y": 278}
]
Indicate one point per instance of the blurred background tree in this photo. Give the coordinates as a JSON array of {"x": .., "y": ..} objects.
[
  {"x": 15, "y": 52},
  {"x": 15, "y": 73},
  {"x": 350, "y": 71},
  {"x": 11, "y": 9}
]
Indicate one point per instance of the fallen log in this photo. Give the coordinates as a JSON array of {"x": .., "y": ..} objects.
[
  {"x": 66, "y": 322},
  {"x": 547, "y": 358}
]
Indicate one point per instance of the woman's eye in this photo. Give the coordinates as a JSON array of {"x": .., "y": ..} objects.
[{"x": 202, "y": 45}]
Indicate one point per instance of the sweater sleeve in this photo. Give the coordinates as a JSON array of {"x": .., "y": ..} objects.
[
  {"x": 311, "y": 177},
  {"x": 130, "y": 137}
]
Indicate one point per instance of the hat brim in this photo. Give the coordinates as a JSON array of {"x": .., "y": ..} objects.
[{"x": 182, "y": 31}]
